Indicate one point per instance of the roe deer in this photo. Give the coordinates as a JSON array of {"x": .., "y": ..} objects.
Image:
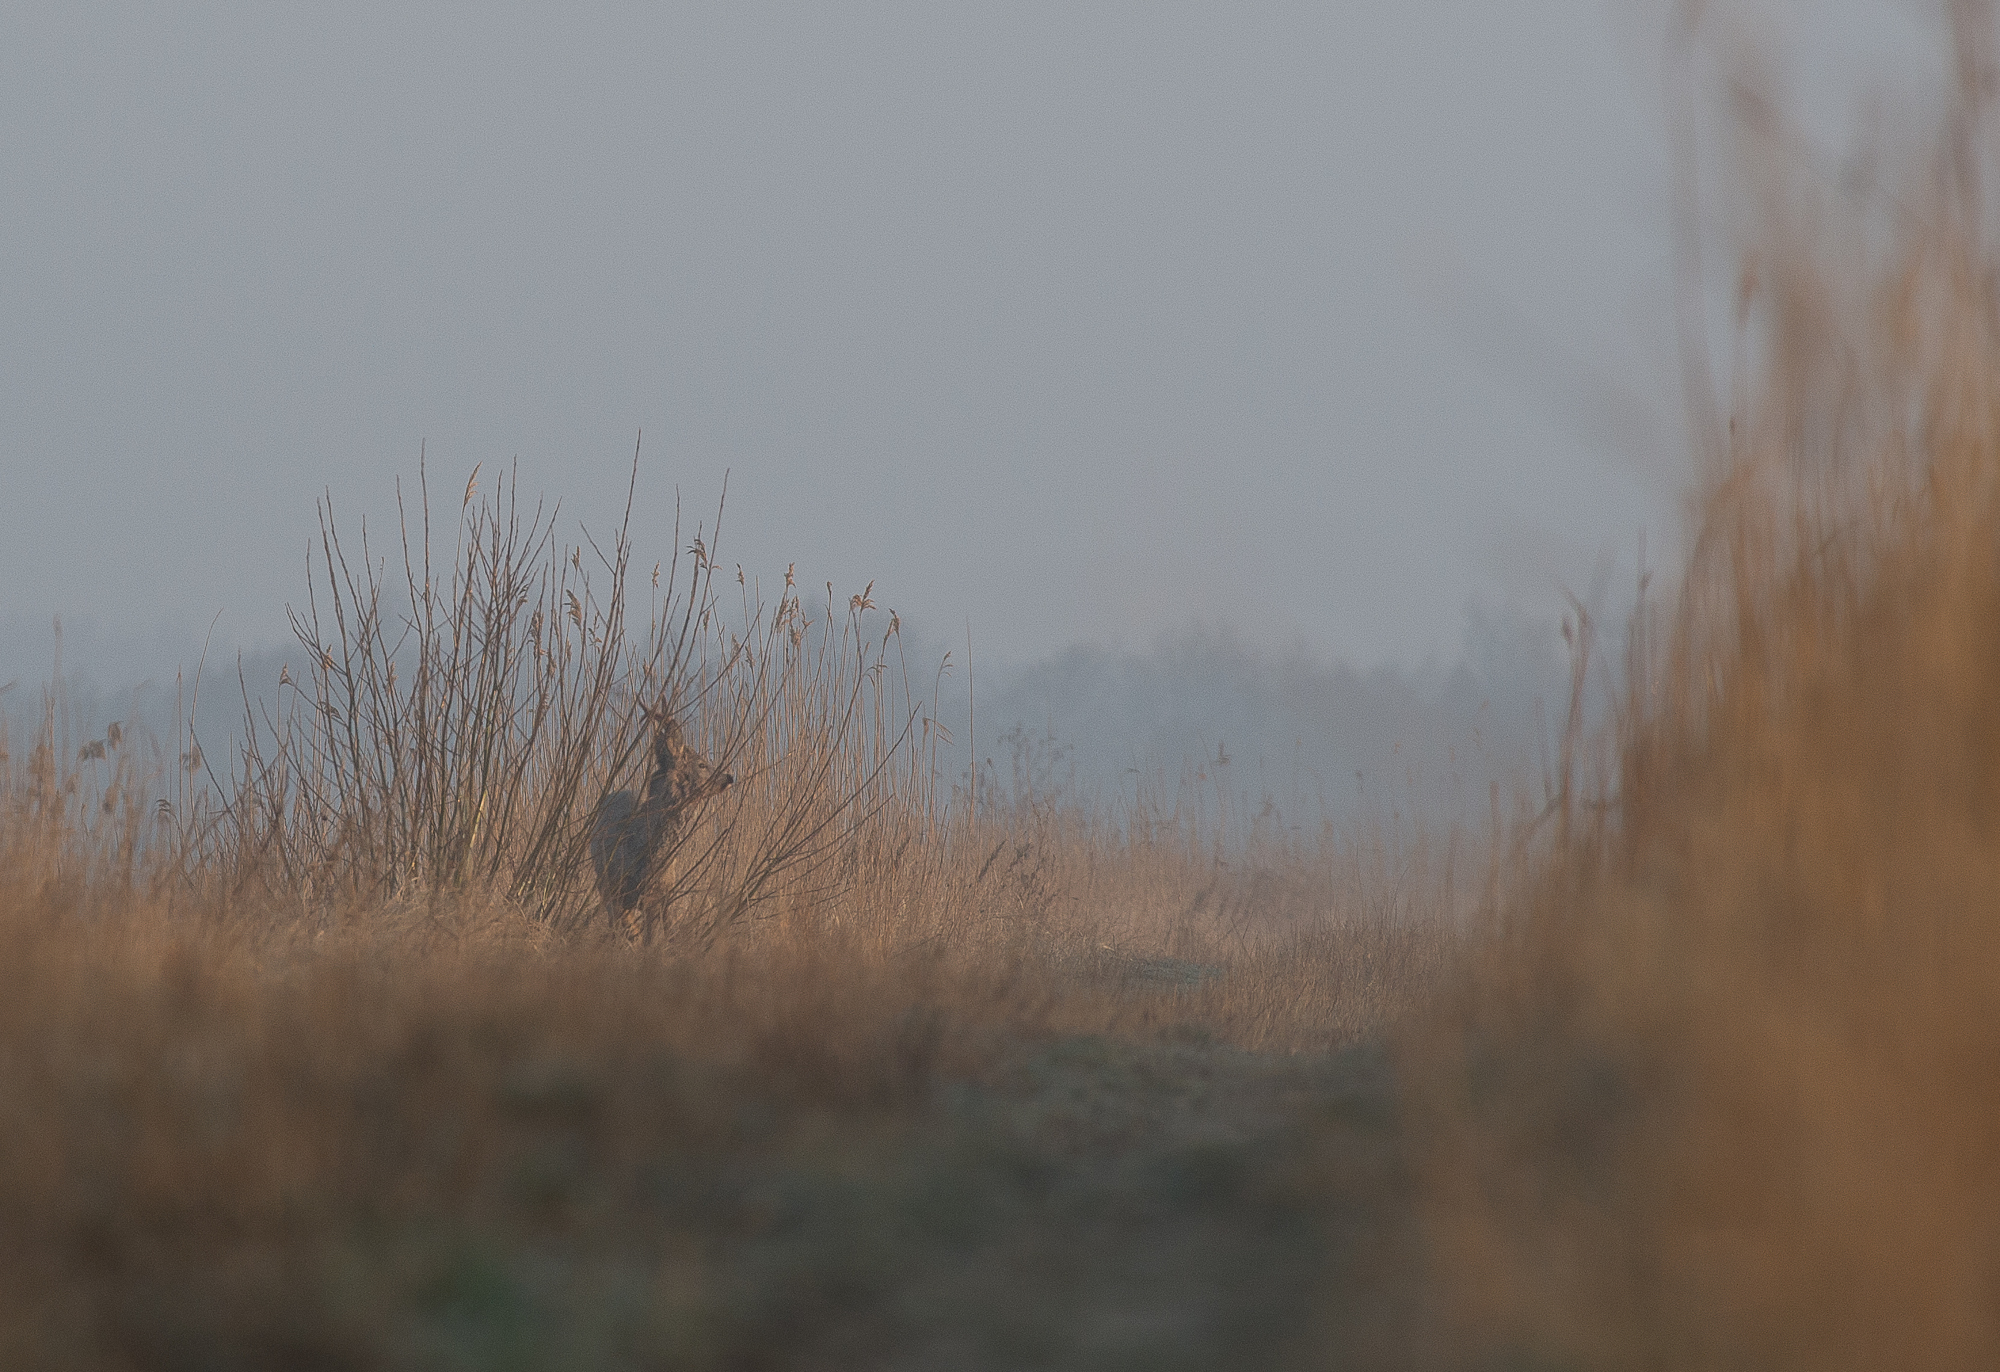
[{"x": 633, "y": 832}]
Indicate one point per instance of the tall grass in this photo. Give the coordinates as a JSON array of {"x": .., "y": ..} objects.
[
  {"x": 472, "y": 696},
  {"x": 296, "y": 1038},
  {"x": 462, "y": 720},
  {"x": 1721, "y": 1085}
]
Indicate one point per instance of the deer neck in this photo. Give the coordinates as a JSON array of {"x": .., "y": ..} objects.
[{"x": 660, "y": 790}]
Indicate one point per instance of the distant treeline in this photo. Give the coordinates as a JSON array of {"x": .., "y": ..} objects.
[
  {"x": 1315, "y": 737},
  {"x": 1201, "y": 710}
]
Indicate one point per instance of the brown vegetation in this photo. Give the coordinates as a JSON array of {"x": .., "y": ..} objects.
[
  {"x": 1722, "y": 1088},
  {"x": 328, "y": 1060},
  {"x": 323, "y": 1058}
]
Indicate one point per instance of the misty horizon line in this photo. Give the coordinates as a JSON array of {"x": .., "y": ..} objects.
[
  {"x": 83, "y": 651},
  {"x": 1293, "y": 727}
]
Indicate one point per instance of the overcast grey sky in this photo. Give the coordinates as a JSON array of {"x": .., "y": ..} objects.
[{"x": 1075, "y": 321}]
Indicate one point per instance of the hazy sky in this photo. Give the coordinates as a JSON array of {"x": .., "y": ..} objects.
[{"x": 1075, "y": 321}]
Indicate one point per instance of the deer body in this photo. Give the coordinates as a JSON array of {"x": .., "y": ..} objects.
[{"x": 634, "y": 832}]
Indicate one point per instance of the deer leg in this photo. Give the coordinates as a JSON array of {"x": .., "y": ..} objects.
[{"x": 621, "y": 925}]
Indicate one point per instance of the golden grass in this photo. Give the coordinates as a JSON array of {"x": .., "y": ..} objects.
[
  {"x": 295, "y": 1073},
  {"x": 1721, "y": 1088}
]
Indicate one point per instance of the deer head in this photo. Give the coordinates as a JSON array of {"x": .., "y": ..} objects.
[{"x": 680, "y": 775}]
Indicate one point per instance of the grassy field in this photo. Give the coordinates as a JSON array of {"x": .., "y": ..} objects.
[
  {"x": 1068, "y": 1128},
  {"x": 335, "y": 1058},
  {"x": 327, "y": 1054},
  {"x": 359, "y": 1158}
]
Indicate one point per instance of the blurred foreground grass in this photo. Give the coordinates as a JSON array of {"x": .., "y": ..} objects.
[{"x": 368, "y": 1156}]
